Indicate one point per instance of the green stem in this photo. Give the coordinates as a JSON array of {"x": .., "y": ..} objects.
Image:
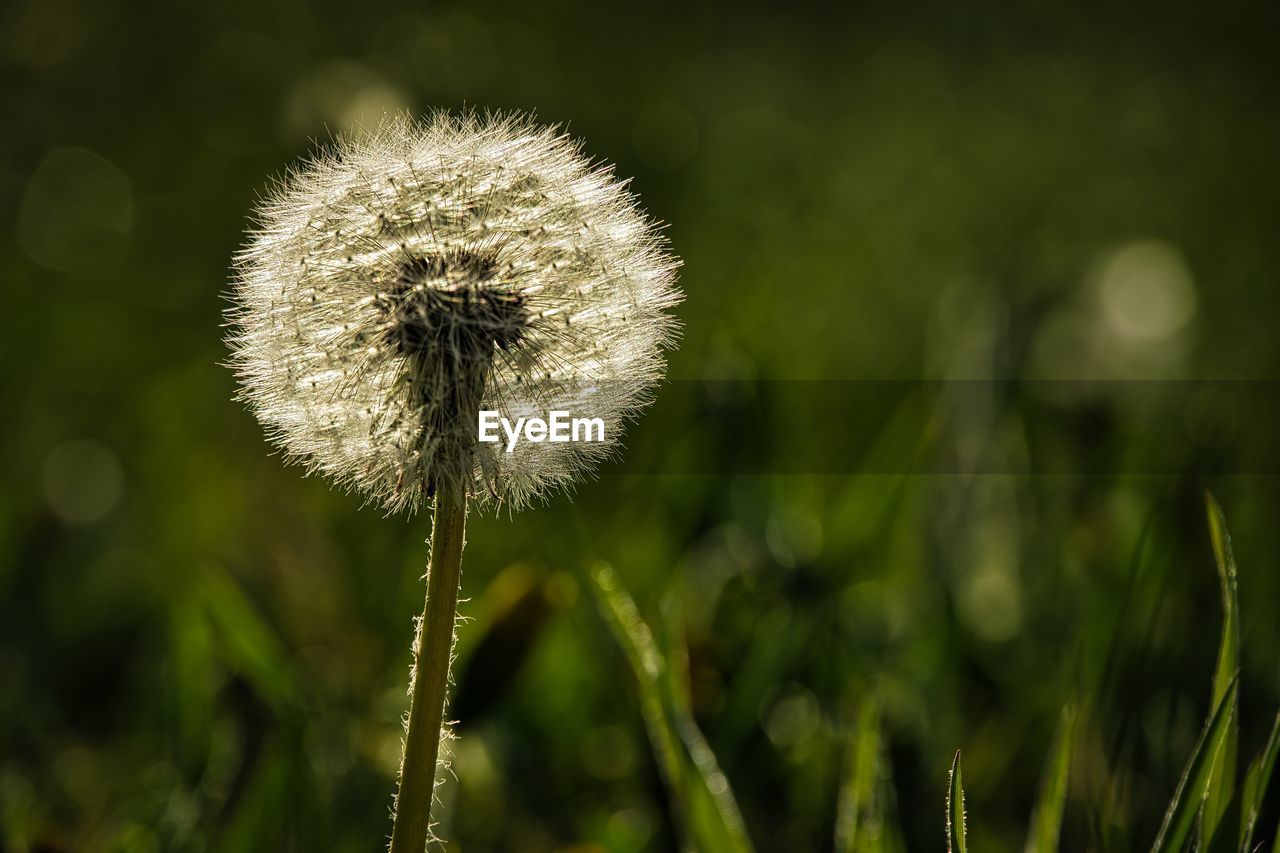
[{"x": 430, "y": 677}]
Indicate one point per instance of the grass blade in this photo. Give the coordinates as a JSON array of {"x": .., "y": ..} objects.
[
  {"x": 247, "y": 644},
  {"x": 1255, "y": 786},
  {"x": 955, "y": 809},
  {"x": 1192, "y": 787},
  {"x": 699, "y": 791},
  {"x": 1221, "y": 786},
  {"x": 1046, "y": 823},
  {"x": 714, "y": 796},
  {"x": 859, "y": 809},
  {"x": 642, "y": 654}
]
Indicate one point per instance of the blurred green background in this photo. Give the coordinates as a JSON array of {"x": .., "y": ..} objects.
[{"x": 202, "y": 650}]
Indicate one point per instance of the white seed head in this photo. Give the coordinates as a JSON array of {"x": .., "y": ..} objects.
[{"x": 399, "y": 283}]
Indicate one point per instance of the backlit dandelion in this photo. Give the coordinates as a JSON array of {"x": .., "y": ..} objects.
[{"x": 400, "y": 284}]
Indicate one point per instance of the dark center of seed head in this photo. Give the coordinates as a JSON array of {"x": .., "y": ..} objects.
[
  {"x": 449, "y": 315},
  {"x": 447, "y": 312}
]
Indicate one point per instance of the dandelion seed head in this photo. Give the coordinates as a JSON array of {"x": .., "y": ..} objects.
[{"x": 399, "y": 283}]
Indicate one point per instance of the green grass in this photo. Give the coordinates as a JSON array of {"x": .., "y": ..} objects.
[
  {"x": 957, "y": 828},
  {"x": 1208, "y": 808},
  {"x": 699, "y": 791},
  {"x": 1046, "y": 822}
]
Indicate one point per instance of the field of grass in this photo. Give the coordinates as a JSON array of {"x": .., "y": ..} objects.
[{"x": 911, "y": 551}]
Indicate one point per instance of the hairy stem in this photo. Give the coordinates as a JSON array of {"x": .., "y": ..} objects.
[{"x": 430, "y": 678}]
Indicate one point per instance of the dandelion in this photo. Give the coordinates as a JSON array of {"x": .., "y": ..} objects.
[
  {"x": 407, "y": 280},
  {"x": 403, "y": 282}
]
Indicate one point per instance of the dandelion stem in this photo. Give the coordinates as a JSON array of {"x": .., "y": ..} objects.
[{"x": 430, "y": 677}]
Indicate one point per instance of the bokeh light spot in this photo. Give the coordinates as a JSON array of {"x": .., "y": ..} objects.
[
  {"x": 83, "y": 481},
  {"x": 792, "y": 718},
  {"x": 344, "y": 97},
  {"x": 992, "y": 605},
  {"x": 1146, "y": 291},
  {"x": 76, "y": 213},
  {"x": 608, "y": 752}
]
